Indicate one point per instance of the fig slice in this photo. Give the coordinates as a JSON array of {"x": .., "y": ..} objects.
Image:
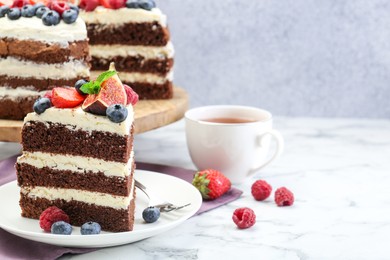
[{"x": 111, "y": 92}]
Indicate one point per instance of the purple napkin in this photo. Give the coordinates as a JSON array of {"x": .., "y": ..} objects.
[{"x": 14, "y": 247}]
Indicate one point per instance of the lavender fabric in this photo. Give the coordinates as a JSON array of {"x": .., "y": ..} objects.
[{"x": 14, "y": 247}]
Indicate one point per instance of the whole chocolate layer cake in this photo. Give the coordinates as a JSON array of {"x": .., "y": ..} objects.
[
  {"x": 35, "y": 58},
  {"x": 138, "y": 41}
]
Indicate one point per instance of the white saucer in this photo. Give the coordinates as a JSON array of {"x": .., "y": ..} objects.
[{"x": 175, "y": 190}]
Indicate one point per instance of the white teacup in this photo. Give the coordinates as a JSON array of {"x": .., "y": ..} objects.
[{"x": 232, "y": 139}]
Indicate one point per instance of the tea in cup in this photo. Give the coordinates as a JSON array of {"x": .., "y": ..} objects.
[{"x": 232, "y": 139}]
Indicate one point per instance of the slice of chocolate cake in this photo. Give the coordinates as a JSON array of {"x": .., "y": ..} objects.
[
  {"x": 133, "y": 34},
  {"x": 38, "y": 51},
  {"x": 80, "y": 162}
]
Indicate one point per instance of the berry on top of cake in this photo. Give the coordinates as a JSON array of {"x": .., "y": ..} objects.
[
  {"x": 41, "y": 47},
  {"x": 78, "y": 154},
  {"x": 134, "y": 34}
]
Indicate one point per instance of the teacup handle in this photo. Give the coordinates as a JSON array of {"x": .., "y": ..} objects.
[{"x": 279, "y": 147}]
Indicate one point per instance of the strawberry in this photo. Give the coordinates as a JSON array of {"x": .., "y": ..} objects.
[
  {"x": 132, "y": 97},
  {"x": 20, "y": 3},
  {"x": 48, "y": 94},
  {"x": 89, "y": 5},
  {"x": 211, "y": 183},
  {"x": 66, "y": 97},
  {"x": 116, "y": 4}
]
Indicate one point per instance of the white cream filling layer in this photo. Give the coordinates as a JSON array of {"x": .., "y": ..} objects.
[
  {"x": 15, "y": 93},
  {"x": 94, "y": 198},
  {"x": 133, "y": 77},
  {"x": 103, "y": 15},
  {"x": 33, "y": 29},
  {"x": 77, "y": 119},
  {"x": 78, "y": 164},
  {"x": 148, "y": 52},
  {"x": 24, "y": 69}
]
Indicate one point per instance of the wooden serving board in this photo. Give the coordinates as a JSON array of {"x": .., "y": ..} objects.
[{"x": 149, "y": 114}]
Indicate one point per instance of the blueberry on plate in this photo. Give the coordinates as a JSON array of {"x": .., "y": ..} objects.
[
  {"x": 151, "y": 214},
  {"x": 14, "y": 13},
  {"x": 74, "y": 7},
  {"x": 28, "y": 11},
  {"x": 90, "y": 228},
  {"x": 41, "y": 11},
  {"x": 3, "y": 10},
  {"x": 147, "y": 4},
  {"x": 37, "y": 5},
  {"x": 41, "y": 105},
  {"x": 51, "y": 18},
  {"x": 78, "y": 85},
  {"x": 117, "y": 113},
  {"x": 61, "y": 228},
  {"x": 69, "y": 16}
]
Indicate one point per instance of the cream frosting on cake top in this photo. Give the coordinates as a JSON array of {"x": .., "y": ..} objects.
[
  {"x": 33, "y": 29},
  {"x": 77, "y": 119},
  {"x": 123, "y": 15}
]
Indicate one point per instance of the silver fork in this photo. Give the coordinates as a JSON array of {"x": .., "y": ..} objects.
[{"x": 156, "y": 201}]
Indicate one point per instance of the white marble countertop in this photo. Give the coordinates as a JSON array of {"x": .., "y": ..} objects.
[{"x": 339, "y": 171}]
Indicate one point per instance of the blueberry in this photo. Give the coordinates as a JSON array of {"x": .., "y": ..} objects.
[
  {"x": 78, "y": 85},
  {"x": 74, "y": 7},
  {"x": 147, "y": 4},
  {"x": 90, "y": 228},
  {"x": 41, "y": 11},
  {"x": 28, "y": 11},
  {"x": 134, "y": 4},
  {"x": 69, "y": 16},
  {"x": 41, "y": 105},
  {"x": 51, "y": 18},
  {"x": 14, "y": 14},
  {"x": 3, "y": 10},
  {"x": 61, "y": 228},
  {"x": 117, "y": 113},
  {"x": 151, "y": 214}
]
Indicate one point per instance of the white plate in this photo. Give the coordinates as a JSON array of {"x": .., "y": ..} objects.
[{"x": 175, "y": 190}]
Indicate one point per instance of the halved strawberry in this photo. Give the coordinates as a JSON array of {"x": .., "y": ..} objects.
[
  {"x": 132, "y": 97},
  {"x": 49, "y": 94},
  {"x": 66, "y": 97}
]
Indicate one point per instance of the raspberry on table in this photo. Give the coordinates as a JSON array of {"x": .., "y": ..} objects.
[
  {"x": 284, "y": 197},
  {"x": 261, "y": 190},
  {"x": 244, "y": 217},
  {"x": 50, "y": 216}
]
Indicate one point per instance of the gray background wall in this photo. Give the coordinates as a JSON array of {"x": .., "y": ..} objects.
[{"x": 294, "y": 57}]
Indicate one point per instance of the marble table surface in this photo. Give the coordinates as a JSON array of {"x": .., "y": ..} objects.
[{"x": 338, "y": 169}]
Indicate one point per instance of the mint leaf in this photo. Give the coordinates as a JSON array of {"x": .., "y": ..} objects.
[
  {"x": 90, "y": 88},
  {"x": 105, "y": 75}
]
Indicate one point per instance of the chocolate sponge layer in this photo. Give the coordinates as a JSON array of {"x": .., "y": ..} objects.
[
  {"x": 152, "y": 91},
  {"x": 149, "y": 34},
  {"x": 58, "y": 138}
]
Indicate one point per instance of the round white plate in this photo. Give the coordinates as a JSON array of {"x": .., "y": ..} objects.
[{"x": 170, "y": 188}]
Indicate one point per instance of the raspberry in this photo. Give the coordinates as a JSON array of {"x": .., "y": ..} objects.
[
  {"x": 244, "y": 217},
  {"x": 50, "y": 216},
  {"x": 284, "y": 197},
  {"x": 261, "y": 190}
]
